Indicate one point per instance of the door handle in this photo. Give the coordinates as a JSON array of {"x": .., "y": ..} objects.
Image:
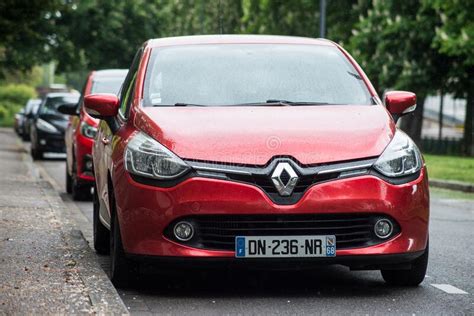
[{"x": 105, "y": 141}]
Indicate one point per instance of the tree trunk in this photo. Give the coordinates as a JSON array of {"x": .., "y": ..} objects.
[
  {"x": 469, "y": 122},
  {"x": 441, "y": 106},
  {"x": 412, "y": 123}
]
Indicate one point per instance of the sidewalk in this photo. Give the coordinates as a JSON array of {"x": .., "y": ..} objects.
[
  {"x": 452, "y": 185},
  {"x": 46, "y": 266}
]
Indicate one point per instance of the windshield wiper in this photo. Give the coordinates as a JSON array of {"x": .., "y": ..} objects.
[
  {"x": 355, "y": 75},
  {"x": 293, "y": 103},
  {"x": 270, "y": 102},
  {"x": 188, "y": 104},
  {"x": 278, "y": 102}
]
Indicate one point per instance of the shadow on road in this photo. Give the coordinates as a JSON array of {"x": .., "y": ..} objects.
[{"x": 326, "y": 281}]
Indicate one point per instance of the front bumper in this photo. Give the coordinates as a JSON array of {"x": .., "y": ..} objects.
[
  {"x": 145, "y": 211},
  {"x": 84, "y": 158},
  {"x": 48, "y": 142},
  {"x": 354, "y": 262}
]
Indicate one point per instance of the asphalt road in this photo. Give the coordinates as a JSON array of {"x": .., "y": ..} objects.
[{"x": 330, "y": 290}]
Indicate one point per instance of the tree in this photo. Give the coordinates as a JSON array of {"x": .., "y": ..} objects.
[
  {"x": 455, "y": 38},
  {"x": 342, "y": 17},
  {"x": 394, "y": 44},
  {"x": 28, "y": 32},
  {"x": 106, "y": 33}
]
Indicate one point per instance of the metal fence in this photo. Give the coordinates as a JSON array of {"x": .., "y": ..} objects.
[{"x": 446, "y": 146}]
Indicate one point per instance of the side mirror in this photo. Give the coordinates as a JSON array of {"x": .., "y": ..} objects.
[
  {"x": 101, "y": 105},
  {"x": 399, "y": 103},
  {"x": 68, "y": 108}
]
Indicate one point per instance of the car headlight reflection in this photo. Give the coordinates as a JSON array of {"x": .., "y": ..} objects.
[
  {"x": 87, "y": 130},
  {"x": 45, "y": 126},
  {"x": 401, "y": 157},
  {"x": 146, "y": 157}
]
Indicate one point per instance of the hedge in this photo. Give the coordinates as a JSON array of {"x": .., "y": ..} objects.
[{"x": 12, "y": 98}]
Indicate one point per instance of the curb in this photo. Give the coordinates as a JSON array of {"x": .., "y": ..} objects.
[
  {"x": 100, "y": 290},
  {"x": 452, "y": 185}
]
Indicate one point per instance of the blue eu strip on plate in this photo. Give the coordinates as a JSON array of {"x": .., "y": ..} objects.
[{"x": 240, "y": 246}]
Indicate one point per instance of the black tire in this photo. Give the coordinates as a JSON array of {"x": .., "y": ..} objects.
[
  {"x": 101, "y": 233},
  {"x": 122, "y": 270},
  {"x": 68, "y": 181},
  {"x": 36, "y": 154},
  {"x": 79, "y": 191},
  {"x": 410, "y": 277}
]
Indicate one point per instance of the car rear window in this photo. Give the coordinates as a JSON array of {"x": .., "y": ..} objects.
[
  {"x": 52, "y": 103},
  {"x": 230, "y": 74},
  {"x": 107, "y": 85}
]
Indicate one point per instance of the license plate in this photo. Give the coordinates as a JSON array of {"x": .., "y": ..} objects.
[{"x": 285, "y": 246}]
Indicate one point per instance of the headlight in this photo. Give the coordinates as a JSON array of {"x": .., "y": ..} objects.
[
  {"x": 400, "y": 158},
  {"x": 45, "y": 126},
  {"x": 88, "y": 130},
  {"x": 146, "y": 157}
]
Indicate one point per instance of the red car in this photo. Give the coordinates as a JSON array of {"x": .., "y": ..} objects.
[
  {"x": 257, "y": 150},
  {"x": 81, "y": 131}
]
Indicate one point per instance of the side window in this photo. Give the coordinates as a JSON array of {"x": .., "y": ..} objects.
[
  {"x": 127, "y": 91},
  {"x": 81, "y": 100}
]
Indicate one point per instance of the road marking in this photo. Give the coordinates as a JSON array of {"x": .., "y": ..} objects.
[{"x": 449, "y": 289}]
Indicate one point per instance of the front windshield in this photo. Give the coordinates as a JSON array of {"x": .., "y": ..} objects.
[
  {"x": 107, "y": 85},
  {"x": 230, "y": 74},
  {"x": 52, "y": 103}
]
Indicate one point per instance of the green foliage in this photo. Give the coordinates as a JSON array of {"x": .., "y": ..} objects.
[
  {"x": 455, "y": 38},
  {"x": 16, "y": 93},
  {"x": 450, "y": 168},
  {"x": 296, "y": 17},
  {"x": 28, "y": 32},
  {"x": 393, "y": 42},
  {"x": 106, "y": 33},
  {"x": 32, "y": 77},
  {"x": 12, "y": 98}
]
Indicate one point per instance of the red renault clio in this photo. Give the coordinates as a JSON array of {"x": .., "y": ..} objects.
[
  {"x": 257, "y": 150},
  {"x": 81, "y": 131}
]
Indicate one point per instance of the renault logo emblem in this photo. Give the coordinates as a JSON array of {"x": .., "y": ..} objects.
[{"x": 284, "y": 178}]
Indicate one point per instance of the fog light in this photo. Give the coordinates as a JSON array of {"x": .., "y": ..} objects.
[
  {"x": 42, "y": 142},
  {"x": 88, "y": 165},
  {"x": 383, "y": 228},
  {"x": 183, "y": 231}
]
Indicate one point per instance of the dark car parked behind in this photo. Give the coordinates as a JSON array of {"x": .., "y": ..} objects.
[
  {"x": 48, "y": 126},
  {"x": 31, "y": 108},
  {"x": 19, "y": 120}
]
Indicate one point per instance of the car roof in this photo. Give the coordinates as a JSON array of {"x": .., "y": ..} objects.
[
  {"x": 110, "y": 73},
  {"x": 33, "y": 101},
  {"x": 62, "y": 94},
  {"x": 236, "y": 39}
]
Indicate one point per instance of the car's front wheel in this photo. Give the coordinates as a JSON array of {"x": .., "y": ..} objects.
[
  {"x": 79, "y": 191},
  {"x": 411, "y": 277},
  {"x": 122, "y": 270},
  {"x": 101, "y": 233},
  {"x": 36, "y": 154},
  {"x": 68, "y": 182}
]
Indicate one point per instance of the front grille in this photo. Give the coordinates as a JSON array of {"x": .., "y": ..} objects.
[
  {"x": 218, "y": 232},
  {"x": 266, "y": 184},
  {"x": 260, "y": 176}
]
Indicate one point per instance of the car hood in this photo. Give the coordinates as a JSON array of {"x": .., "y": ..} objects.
[
  {"x": 59, "y": 121},
  {"x": 254, "y": 135}
]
